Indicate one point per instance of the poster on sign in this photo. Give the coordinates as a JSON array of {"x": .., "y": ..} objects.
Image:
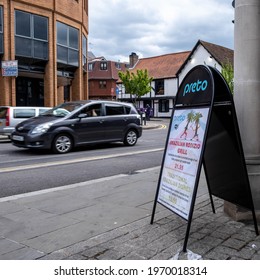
[{"x": 182, "y": 157}]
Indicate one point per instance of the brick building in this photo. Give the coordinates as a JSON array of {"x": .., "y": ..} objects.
[
  {"x": 48, "y": 39},
  {"x": 103, "y": 77}
]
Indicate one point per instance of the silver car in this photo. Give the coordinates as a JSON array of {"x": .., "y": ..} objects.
[{"x": 11, "y": 116}]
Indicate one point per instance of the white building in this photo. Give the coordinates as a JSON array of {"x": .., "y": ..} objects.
[{"x": 168, "y": 72}]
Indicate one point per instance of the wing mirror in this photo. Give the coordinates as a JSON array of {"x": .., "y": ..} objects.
[{"x": 83, "y": 115}]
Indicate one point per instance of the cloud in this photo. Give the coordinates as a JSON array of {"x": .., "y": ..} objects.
[{"x": 155, "y": 27}]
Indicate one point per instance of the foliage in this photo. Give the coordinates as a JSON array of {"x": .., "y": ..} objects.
[
  {"x": 136, "y": 84},
  {"x": 228, "y": 73}
]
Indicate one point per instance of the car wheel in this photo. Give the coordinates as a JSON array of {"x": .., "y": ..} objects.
[
  {"x": 62, "y": 144},
  {"x": 130, "y": 138}
]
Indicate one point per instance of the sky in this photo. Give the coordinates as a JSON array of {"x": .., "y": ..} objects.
[{"x": 156, "y": 27}]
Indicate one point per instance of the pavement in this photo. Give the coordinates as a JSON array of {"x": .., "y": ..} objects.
[{"x": 109, "y": 219}]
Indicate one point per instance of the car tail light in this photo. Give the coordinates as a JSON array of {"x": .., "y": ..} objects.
[{"x": 7, "y": 117}]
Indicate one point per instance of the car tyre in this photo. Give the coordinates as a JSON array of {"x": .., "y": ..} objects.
[
  {"x": 62, "y": 144},
  {"x": 130, "y": 138}
]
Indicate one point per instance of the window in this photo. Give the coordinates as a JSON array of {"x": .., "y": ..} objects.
[
  {"x": 92, "y": 110},
  {"x": 103, "y": 84},
  {"x": 114, "y": 110},
  {"x": 1, "y": 19},
  {"x": 164, "y": 105},
  {"x": 3, "y": 112},
  {"x": 103, "y": 65},
  {"x": 84, "y": 52},
  {"x": 24, "y": 113},
  {"x": 67, "y": 44},
  {"x": 1, "y": 31},
  {"x": 159, "y": 87},
  {"x": 31, "y": 35},
  {"x": 90, "y": 67},
  {"x": 118, "y": 65}
]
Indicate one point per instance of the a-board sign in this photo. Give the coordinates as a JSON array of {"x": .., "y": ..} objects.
[
  {"x": 185, "y": 142},
  {"x": 203, "y": 131},
  {"x": 182, "y": 159}
]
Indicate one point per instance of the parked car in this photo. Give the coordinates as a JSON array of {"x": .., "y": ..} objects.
[
  {"x": 11, "y": 116},
  {"x": 78, "y": 123}
]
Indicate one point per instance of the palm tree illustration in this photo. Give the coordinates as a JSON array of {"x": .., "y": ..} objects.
[
  {"x": 190, "y": 117},
  {"x": 196, "y": 120}
]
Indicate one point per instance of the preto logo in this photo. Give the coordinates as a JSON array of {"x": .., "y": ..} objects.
[{"x": 195, "y": 87}]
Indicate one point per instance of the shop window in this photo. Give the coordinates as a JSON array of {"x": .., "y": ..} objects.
[
  {"x": 67, "y": 44},
  {"x": 102, "y": 84},
  {"x": 31, "y": 35},
  {"x": 1, "y": 31},
  {"x": 159, "y": 87},
  {"x": 164, "y": 106}
]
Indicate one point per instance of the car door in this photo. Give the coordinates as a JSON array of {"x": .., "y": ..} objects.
[
  {"x": 115, "y": 121},
  {"x": 90, "y": 128}
]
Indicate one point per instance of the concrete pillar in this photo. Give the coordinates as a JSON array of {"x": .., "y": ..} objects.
[{"x": 247, "y": 86}]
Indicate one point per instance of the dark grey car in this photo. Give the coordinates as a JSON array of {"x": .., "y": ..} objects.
[{"x": 78, "y": 123}]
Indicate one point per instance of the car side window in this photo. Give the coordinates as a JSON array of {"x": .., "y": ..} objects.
[
  {"x": 112, "y": 110},
  {"x": 92, "y": 110},
  {"x": 127, "y": 109},
  {"x": 24, "y": 113}
]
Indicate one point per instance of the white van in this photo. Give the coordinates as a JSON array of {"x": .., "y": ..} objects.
[{"x": 11, "y": 116}]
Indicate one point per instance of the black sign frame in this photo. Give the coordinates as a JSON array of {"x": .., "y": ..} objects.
[{"x": 221, "y": 152}]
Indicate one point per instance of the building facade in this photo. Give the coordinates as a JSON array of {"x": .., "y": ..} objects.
[
  {"x": 169, "y": 70},
  {"x": 48, "y": 39},
  {"x": 103, "y": 77}
]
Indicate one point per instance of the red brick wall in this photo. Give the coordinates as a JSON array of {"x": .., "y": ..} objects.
[{"x": 70, "y": 12}]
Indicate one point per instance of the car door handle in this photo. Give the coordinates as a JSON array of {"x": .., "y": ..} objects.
[{"x": 101, "y": 121}]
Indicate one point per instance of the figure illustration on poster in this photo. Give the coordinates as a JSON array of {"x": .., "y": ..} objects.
[
  {"x": 194, "y": 121},
  {"x": 189, "y": 120}
]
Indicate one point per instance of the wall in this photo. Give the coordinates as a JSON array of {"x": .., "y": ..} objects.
[
  {"x": 70, "y": 12},
  {"x": 200, "y": 57}
]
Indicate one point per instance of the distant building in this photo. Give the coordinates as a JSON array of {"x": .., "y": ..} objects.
[
  {"x": 163, "y": 69},
  {"x": 49, "y": 41},
  {"x": 207, "y": 54},
  {"x": 168, "y": 72},
  {"x": 103, "y": 77}
]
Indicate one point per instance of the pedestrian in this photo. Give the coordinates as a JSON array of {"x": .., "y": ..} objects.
[{"x": 147, "y": 112}]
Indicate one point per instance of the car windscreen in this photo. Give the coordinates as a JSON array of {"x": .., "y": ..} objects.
[{"x": 63, "y": 109}]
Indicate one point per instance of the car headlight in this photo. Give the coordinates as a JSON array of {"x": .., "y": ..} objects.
[{"x": 41, "y": 128}]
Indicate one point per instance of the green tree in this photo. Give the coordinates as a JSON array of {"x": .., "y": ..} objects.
[
  {"x": 228, "y": 73},
  {"x": 136, "y": 84}
]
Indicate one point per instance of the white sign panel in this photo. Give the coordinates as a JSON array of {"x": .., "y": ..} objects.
[
  {"x": 182, "y": 158},
  {"x": 10, "y": 68}
]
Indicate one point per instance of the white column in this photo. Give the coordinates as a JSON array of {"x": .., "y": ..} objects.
[{"x": 247, "y": 86}]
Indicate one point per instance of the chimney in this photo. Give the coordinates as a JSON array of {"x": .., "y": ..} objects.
[{"x": 133, "y": 58}]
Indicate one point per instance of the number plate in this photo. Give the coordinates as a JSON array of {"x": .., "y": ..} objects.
[{"x": 18, "y": 138}]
